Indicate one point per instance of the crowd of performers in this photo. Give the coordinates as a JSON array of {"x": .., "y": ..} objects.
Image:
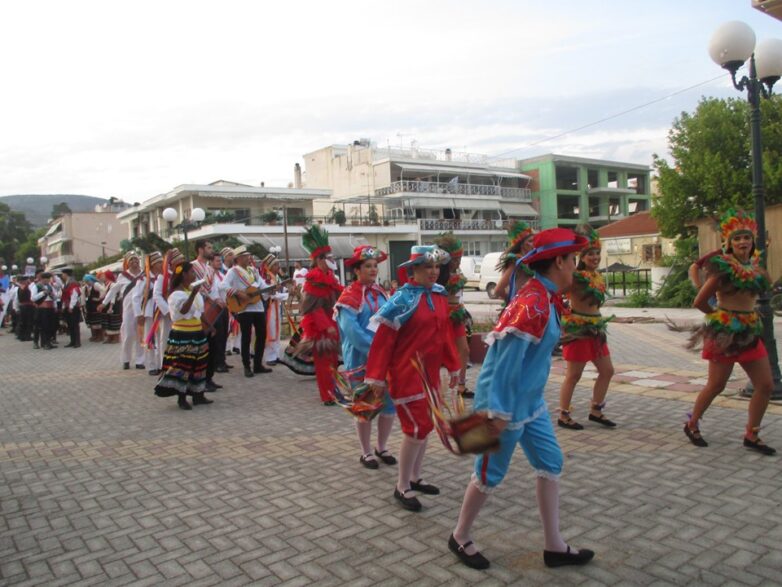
[{"x": 394, "y": 346}]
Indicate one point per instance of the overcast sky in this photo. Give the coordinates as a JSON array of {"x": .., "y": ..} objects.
[{"x": 131, "y": 99}]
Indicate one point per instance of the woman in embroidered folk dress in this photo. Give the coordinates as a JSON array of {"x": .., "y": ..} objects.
[
  {"x": 185, "y": 359},
  {"x": 357, "y": 303},
  {"x": 732, "y": 331},
  {"x": 510, "y": 390},
  {"x": 514, "y": 273},
  {"x": 453, "y": 280},
  {"x": 412, "y": 325},
  {"x": 584, "y": 335}
]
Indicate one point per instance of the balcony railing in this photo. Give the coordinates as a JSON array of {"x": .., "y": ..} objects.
[
  {"x": 454, "y": 189},
  {"x": 442, "y": 224}
]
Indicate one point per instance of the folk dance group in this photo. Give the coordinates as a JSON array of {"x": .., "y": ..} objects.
[{"x": 393, "y": 348}]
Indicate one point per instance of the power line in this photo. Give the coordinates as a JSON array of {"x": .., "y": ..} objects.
[{"x": 607, "y": 118}]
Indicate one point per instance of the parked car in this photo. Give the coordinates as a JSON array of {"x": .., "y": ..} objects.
[
  {"x": 471, "y": 269},
  {"x": 489, "y": 274}
]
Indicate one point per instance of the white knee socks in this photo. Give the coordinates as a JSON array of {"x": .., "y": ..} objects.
[
  {"x": 385, "y": 422},
  {"x": 364, "y": 430},
  {"x": 408, "y": 453},
  {"x": 548, "y": 504}
]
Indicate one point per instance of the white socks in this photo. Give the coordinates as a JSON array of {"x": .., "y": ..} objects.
[
  {"x": 408, "y": 453},
  {"x": 548, "y": 504},
  {"x": 473, "y": 501},
  {"x": 385, "y": 422}
]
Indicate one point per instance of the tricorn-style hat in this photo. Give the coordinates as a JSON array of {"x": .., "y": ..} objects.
[
  {"x": 554, "y": 242},
  {"x": 420, "y": 254},
  {"x": 364, "y": 253}
]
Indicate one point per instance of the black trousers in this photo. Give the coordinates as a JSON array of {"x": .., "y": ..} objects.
[
  {"x": 47, "y": 326},
  {"x": 25, "y": 326},
  {"x": 73, "y": 319},
  {"x": 248, "y": 321},
  {"x": 220, "y": 339}
]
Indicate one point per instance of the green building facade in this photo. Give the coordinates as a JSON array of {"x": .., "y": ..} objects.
[{"x": 572, "y": 190}]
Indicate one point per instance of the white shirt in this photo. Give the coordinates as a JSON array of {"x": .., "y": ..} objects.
[
  {"x": 39, "y": 292},
  {"x": 177, "y": 299},
  {"x": 238, "y": 279},
  {"x": 137, "y": 298},
  {"x": 157, "y": 294},
  {"x": 300, "y": 276}
]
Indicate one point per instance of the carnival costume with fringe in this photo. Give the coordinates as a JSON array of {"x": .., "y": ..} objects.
[
  {"x": 454, "y": 287},
  {"x": 320, "y": 336}
]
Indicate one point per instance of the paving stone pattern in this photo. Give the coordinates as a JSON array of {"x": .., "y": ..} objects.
[{"x": 102, "y": 483}]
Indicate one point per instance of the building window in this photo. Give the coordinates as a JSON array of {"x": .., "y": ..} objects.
[
  {"x": 614, "y": 206},
  {"x": 634, "y": 206},
  {"x": 637, "y": 182},
  {"x": 592, "y": 176},
  {"x": 613, "y": 179},
  {"x": 594, "y": 207},
  {"x": 472, "y": 248},
  {"x": 568, "y": 206},
  {"x": 651, "y": 253},
  {"x": 66, "y": 248},
  {"x": 567, "y": 178}
]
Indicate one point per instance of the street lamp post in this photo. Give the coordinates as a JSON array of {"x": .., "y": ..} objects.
[
  {"x": 196, "y": 217},
  {"x": 730, "y": 47}
]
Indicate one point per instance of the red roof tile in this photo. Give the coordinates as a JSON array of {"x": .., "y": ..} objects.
[{"x": 639, "y": 223}]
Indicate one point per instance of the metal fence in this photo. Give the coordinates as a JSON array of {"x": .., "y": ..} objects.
[{"x": 624, "y": 281}]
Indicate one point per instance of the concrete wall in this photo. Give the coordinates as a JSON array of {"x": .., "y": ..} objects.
[{"x": 633, "y": 256}]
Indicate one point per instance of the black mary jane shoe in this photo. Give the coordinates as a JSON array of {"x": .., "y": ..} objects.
[
  {"x": 601, "y": 419},
  {"x": 154, "y": 372},
  {"x": 182, "y": 403},
  {"x": 474, "y": 561},
  {"x": 409, "y": 503},
  {"x": 562, "y": 559},
  {"x": 140, "y": 367},
  {"x": 570, "y": 424},
  {"x": 125, "y": 366},
  {"x": 696, "y": 438},
  {"x": 369, "y": 462},
  {"x": 759, "y": 446},
  {"x": 386, "y": 457},
  {"x": 424, "y": 488}
]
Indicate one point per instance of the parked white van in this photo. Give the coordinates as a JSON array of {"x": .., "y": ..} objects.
[
  {"x": 471, "y": 271},
  {"x": 489, "y": 274}
]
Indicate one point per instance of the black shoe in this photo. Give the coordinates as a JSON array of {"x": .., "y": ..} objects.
[
  {"x": 76, "y": 346},
  {"x": 474, "y": 561},
  {"x": 386, "y": 457},
  {"x": 695, "y": 436},
  {"x": 200, "y": 400},
  {"x": 329, "y": 403},
  {"x": 140, "y": 367},
  {"x": 227, "y": 366},
  {"x": 759, "y": 446},
  {"x": 70, "y": 345},
  {"x": 569, "y": 424},
  {"x": 221, "y": 369},
  {"x": 125, "y": 366},
  {"x": 368, "y": 462},
  {"x": 424, "y": 487},
  {"x": 228, "y": 353},
  {"x": 47, "y": 347},
  {"x": 561, "y": 559},
  {"x": 182, "y": 403},
  {"x": 154, "y": 372},
  {"x": 601, "y": 419},
  {"x": 210, "y": 386},
  {"x": 261, "y": 369},
  {"x": 237, "y": 351},
  {"x": 248, "y": 372},
  {"x": 409, "y": 503}
]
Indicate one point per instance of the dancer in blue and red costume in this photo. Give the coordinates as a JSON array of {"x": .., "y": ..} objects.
[
  {"x": 356, "y": 305},
  {"x": 510, "y": 390},
  {"x": 413, "y": 325}
]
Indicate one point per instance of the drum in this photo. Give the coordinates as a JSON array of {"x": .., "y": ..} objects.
[
  {"x": 212, "y": 312},
  {"x": 475, "y": 434}
]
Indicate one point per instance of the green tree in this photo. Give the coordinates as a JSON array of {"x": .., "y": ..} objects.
[
  {"x": 60, "y": 209},
  {"x": 14, "y": 231},
  {"x": 711, "y": 168}
]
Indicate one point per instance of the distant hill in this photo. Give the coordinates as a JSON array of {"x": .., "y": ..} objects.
[{"x": 37, "y": 208}]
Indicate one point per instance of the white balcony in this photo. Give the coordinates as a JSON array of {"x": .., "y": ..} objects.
[
  {"x": 443, "y": 224},
  {"x": 455, "y": 189}
]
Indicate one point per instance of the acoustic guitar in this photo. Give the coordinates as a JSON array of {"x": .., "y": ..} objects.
[{"x": 235, "y": 305}]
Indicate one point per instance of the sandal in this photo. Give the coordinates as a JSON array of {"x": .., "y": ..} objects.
[
  {"x": 385, "y": 456},
  {"x": 568, "y": 422}
]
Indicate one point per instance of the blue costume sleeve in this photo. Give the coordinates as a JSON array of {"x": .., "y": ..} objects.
[
  {"x": 501, "y": 390},
  {"x": 351, "y": 331}
]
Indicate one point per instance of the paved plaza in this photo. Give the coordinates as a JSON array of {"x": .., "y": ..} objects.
[{"x": 102, "y": 483}]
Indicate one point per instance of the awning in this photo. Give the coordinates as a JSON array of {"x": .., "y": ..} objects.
[
  {"x": 445, "y": 202},
  {"x": 460, "y": 170},
  {"x": 341, "y": 246},
  {"x": 53, "y": 228},
  {"x": 524, "y": 210}
]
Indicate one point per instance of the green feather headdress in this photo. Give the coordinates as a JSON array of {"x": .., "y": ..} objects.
[{"x": 316, "y": 241}]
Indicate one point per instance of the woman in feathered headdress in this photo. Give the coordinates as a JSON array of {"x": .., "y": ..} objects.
[
  {"x": 319, "y": 329},
  {"x": 584, "y": 334},
  {"x": 514, "y": 273},
  {"x": 732, "y": 331}
]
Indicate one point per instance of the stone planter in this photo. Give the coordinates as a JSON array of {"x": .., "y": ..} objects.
[
  {"x": 478, "y": 348},
  {"x": 659, "y": 275}
]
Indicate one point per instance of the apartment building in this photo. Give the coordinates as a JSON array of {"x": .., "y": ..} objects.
[
  {"x": 571, "y": 190},
  {"x": 81, "y": 238}
]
